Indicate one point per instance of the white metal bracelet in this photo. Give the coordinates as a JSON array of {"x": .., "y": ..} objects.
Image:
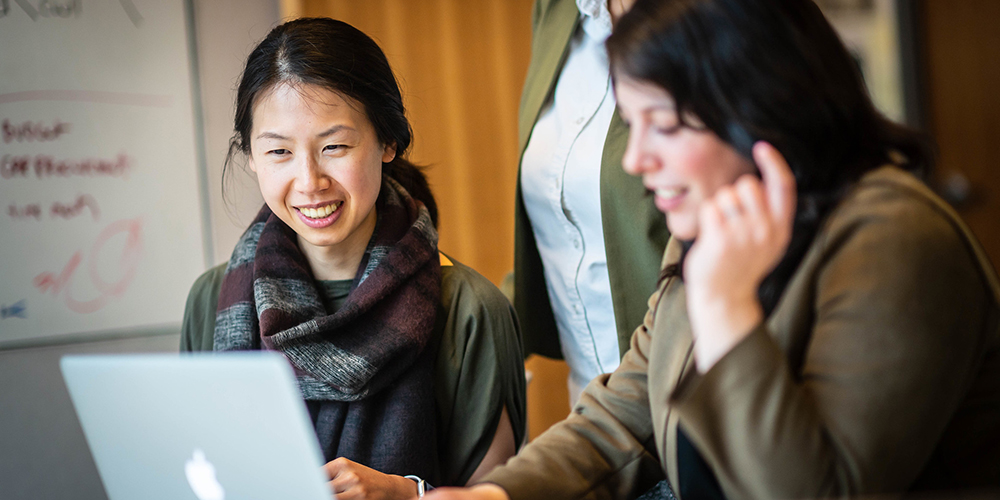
[{"x": 421, "y": 485}]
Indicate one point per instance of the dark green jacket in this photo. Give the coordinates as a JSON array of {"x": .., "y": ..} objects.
[
  {"x": 478, "y": 371},
  {"x": 635, "y": 233},
  {"x": 878, "y": 372}
]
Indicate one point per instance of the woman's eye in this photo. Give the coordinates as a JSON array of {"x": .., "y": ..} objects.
[
  {"x": 278, "y": 152},
  {"x": 332, "y": 147},
  {"x": 668, "y": 130}
]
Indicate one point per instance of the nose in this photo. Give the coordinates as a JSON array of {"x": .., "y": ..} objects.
[
  {"x": 636, "y": 160},
  {"x": 312, "y": 178}
]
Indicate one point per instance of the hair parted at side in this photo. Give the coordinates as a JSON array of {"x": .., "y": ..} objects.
[
  {"x": 337, "y": 56},
  {"x": 771, "y": 70}
]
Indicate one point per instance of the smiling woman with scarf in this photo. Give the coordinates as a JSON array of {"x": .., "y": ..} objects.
[{"x": 409, "y": 363}]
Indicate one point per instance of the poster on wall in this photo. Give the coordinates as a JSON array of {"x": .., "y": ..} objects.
[{"x": 101, "y": 216}]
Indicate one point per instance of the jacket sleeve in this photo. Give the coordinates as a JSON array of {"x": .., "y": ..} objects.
[
  {"x": 479, "y": 372},
  {"x": 198, "y": 326},
  {"x": 900, "y": 306},
  {"x": 604, "y": 449}
]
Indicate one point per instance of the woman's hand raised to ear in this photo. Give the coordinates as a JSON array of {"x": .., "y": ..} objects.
[{"x": 743, "y": 232}]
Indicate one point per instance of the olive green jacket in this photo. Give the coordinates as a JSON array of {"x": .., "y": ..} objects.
[
  {"x": 635, "y": 233},
  {"x": 478, "y": 371},
  {"x": 878, "y": 372}
]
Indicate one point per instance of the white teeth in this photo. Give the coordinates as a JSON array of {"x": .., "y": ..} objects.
[
  {"x": 319, "y": 213},
  {"x": 668, "y": 193}
]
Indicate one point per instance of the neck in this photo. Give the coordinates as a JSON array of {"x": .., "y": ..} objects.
[
  {"x": 341, "y": 261},
  {"x": 618, "y": 8}
]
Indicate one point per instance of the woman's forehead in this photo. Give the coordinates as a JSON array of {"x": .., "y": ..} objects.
[{"x": 288, "y": 100}]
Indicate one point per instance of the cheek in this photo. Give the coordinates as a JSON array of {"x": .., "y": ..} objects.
[
  {"x": 373, "y": 184},
  {"x": 270, "y": 183},
  {"x": 732, "y": 167},
  {"x": 364, "y": 183},
  {"x": 695, "y": 163},
  {"x": 715, "y": 166},
  {"x": 373, "y": 178}
]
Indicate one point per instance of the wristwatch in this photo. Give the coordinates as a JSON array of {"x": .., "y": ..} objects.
[{"x": 422, "y": 486}]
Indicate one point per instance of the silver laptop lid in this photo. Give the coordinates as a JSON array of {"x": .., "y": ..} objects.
[{"x": 200, "y": 426}]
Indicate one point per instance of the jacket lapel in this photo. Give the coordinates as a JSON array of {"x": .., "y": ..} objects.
[{"x": 548, "y": 52}]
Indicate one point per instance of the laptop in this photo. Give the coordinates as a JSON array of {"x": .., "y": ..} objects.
[{"x": 199, "y": 426}]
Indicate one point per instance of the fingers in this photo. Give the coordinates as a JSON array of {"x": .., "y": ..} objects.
[
  {"x": 481, "y": 491},
  {"x": 755, "y": 209},
  {"x": 353, "y": 481},
  {"x": 728, "y": 203},
  {"x": 336, "y": 466},
  {"x": 710, "y": 218},
  {"x": 344, "y": 482},
  {"x": 342, "y": 476},
  {"x": 779, "y": 182},
  {"x": 349, "y": 486},
  {"x": 742, "y": 204},
  {"x": 750, "y": 194}
]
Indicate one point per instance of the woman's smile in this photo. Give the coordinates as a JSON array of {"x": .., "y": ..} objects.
[
  {"x": 668, "y": 199},
  {"x": 321, "y": 215}
]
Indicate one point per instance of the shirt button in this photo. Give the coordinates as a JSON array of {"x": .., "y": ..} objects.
[
  {"x": 576, "y": 244},
  {"x": 579, "y": 121}
]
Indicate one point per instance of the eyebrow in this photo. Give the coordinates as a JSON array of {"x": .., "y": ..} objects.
[
  {"x": 661, "y": 107},
  {"x": 271, "y": 135},
  {"x": 326, "y": 133},
  {"x": 333, "y": 130}
]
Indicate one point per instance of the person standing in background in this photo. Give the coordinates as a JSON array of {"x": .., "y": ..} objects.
[{"x": 588, "y": 242}]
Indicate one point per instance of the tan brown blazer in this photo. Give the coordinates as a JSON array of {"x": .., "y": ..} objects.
[
  {"x": 879, "y": 371},
  {"x": 634, "y": 231}
]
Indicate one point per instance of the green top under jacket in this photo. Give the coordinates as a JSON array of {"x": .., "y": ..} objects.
[
  {"x": 635, "y": 233},
  {"x": 478, "y": 371},
  {"x": 878, "y": 372}
]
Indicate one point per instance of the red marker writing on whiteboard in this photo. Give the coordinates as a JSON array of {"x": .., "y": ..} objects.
[{"x": 126, "y": 265}]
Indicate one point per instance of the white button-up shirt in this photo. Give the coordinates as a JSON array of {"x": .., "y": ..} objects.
[{"x": 560, "y": 183}]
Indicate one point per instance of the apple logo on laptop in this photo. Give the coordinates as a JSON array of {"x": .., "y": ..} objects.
[{"x": 201, "y": 476}]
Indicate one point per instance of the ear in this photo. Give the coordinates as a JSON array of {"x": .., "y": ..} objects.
[
  {"x": 251, "y": 164},
  {"x": 389, "y": 152}
]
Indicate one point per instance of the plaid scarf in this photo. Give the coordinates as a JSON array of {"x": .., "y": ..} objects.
[{"x": 366, "y": 370}]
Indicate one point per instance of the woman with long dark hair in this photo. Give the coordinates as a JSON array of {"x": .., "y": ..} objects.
[
  {"x": 410, "y": 363},
  {"x": 825, "y": 326}
]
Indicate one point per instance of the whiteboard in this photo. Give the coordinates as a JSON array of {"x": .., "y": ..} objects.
[{"x": 102, "y": 214}]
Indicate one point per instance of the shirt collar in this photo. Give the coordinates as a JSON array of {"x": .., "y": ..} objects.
[{"x": 600, "y": 19}]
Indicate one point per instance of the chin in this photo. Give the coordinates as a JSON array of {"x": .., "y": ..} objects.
[
  {"x": 682, "y": 231},
  {"x": 321, "y": 241}
]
